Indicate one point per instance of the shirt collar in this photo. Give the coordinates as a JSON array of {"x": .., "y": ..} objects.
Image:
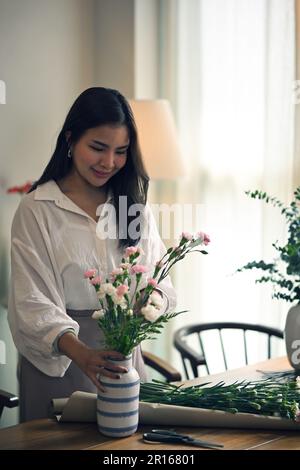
[{"x": 50, "y": 191}]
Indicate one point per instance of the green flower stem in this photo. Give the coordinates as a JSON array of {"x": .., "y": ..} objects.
[{"x": 267, "y": 397}]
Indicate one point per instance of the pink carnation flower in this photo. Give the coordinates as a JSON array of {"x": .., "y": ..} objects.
[
  {"x": 121, "y": 290},
  {"x": 152, "y": 282},
  {"x": 96, "y": 280},
  {"x": 90, "y": 273},
  {"x": 139, "y": 268},
  {"x": 204, "y": 237},
  {"x": 130, "y": 250},
  {"x": 187, "y": 235}
]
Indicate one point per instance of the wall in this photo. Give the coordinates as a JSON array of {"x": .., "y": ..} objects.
[
  {"x": 46, "y": 60},
  {"x": 114, "y": 44},
  {"x": 146, "y": 47}
]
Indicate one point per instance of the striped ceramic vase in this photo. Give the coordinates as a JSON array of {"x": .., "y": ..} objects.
[{"x": 118, "y": 407}]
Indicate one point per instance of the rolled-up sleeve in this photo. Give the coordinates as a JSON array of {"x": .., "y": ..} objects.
[{"x": 36, "y": 310}]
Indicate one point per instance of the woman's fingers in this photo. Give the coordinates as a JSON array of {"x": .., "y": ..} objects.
[
  {"x": 112, "y": 355},
  {"x": 107, "y": 373},
  {"x": 97, "y": 382},
  {"x": 97, "y": 370},
  {"x": 105, "y": 358},
  {"x": 99, "y": 363},
  {"x": 113, "y": 367}
]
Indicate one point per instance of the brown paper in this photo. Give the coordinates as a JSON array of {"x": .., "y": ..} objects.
[
  {"x": 169, "y": 415},
  {"x": 82, "y": 406}
]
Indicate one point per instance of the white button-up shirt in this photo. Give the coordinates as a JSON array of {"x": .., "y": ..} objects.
[{"x": 53, "y": 242}]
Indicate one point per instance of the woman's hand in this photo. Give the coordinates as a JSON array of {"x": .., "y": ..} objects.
[{"x": 92, "y": 362}]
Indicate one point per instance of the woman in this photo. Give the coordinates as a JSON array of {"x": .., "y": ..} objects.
[{"x": 96, "y": 161}]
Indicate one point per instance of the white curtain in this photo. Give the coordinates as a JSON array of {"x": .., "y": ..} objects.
[{"x": 227, "y": 66}]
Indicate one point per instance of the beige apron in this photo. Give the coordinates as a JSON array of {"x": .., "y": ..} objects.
[{"x": 37, "y": 389}]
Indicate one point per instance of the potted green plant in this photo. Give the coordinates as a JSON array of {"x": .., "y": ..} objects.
[{"x": 284, "y": 270}]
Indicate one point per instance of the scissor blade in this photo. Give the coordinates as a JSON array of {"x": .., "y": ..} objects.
[
  {"x": 204, "y": 444},
  {"x": 155, "y": 437},
  {"x": 177, "y": 439},
  {"x": 184, "y": 437}
]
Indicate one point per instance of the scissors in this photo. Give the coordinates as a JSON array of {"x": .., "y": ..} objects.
[{"x": 165, "y": 435}]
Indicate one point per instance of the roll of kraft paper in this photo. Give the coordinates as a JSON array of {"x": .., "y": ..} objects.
[{"x": 80, "y": 407}]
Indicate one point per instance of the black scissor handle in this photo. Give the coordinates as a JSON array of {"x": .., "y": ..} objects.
[
  {"x": 156, "y": 437},
  {"x": 173, "y": 436}
]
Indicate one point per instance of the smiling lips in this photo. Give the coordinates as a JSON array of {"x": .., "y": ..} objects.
[{"x": 101, "y": 174}]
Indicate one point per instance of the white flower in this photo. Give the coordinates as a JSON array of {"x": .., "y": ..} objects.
[
  {"x": 126, "y": 266},
  {"x": 98, "y": 314},
  {"x": 156, "y": 300},
  {"x": 117, "y": 271},
  {"x": 101, "y": 294},
  {"x": 106, "y": 288},
  {"x": 109, "y": 288},
  {"x": 119, "y": 300},
  {"x": 150, "y": 313}
]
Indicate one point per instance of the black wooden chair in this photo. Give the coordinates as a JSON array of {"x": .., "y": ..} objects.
[
  {"x": 7, "y": 400},
  {"x": 168, "y": 372},
  {"x": 194, "y": 358}
]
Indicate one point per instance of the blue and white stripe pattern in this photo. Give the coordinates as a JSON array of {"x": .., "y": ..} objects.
[{"x": 118, "y": 407}]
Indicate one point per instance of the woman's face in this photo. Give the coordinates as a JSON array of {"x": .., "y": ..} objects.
[{"x": 100, "y": 153}]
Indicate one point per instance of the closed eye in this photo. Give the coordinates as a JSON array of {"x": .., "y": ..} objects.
[
  {"x": 119, "y": 152},
  {"x": 97, "y": 150}
]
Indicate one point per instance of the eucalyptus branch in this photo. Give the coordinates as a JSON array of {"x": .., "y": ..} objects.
[{"x": 287, "y": 281}]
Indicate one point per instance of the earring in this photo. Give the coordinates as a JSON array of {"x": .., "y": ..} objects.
[{"x": 69, "y": 153}]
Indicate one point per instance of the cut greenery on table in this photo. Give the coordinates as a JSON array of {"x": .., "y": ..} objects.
[{"x": 267, "y": 397}]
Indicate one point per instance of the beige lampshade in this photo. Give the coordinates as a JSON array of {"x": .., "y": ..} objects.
[{"x": 158, "y": 139}]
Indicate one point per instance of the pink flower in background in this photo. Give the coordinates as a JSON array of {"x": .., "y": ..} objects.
[{"x": 23, "y": 189}]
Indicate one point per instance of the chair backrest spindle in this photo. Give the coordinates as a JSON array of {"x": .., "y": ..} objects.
[{"x": 196, "y": 359}]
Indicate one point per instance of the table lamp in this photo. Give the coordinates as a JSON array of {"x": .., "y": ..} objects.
[{"x": 158, "y": 139}]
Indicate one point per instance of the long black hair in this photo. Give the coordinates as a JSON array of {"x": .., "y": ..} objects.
[{"x": 95, "y": 107}]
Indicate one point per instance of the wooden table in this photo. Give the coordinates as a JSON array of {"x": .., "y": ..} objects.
[{"x": 48, "y": 434}]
